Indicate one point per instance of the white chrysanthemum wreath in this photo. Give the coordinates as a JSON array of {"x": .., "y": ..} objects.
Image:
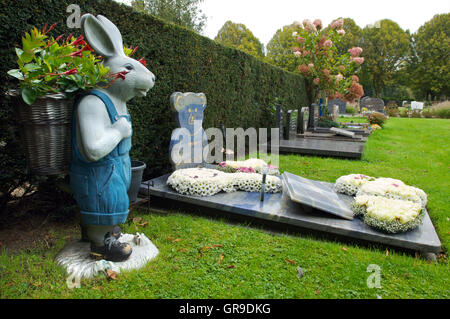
[
  {"x": 207, "y": 182},
  {"x": 389, "y": 215},
  {"x": 384, "y": 203}
]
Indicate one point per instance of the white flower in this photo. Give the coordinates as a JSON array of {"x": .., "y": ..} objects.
[
  {"x": 390, "y": 215},
  {"x": 207, "y": 182},
  {"x": 294, "y": 34},
  {"x": 395, "y": 189},
  {"x": 350, "y": 184}
]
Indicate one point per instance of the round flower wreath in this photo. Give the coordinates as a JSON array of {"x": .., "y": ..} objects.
[
  {"x": 386, "y": 204},
  {"x": 208, "y": 182}
]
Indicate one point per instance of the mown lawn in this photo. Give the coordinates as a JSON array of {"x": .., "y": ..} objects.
[{"x": 260, "y": 264}]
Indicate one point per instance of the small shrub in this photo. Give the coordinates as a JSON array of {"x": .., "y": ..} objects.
[
  {"x": 377, "y": 118},
  {"x": 416, "y": 114},
  {"x": 392, "y": 111},
  {"x": 350, "y": 110},
  {"x": 326, "y": 122}
]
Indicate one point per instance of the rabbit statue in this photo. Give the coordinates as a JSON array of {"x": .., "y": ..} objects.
[{"x": 100, "y": 170}]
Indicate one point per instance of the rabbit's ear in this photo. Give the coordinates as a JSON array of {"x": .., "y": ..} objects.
[
  {"x": 102, "y": 35},
  {"x": 175, "y": 100}
]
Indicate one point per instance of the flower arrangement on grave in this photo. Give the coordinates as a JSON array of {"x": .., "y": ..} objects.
[
  {"x": 252, "y": 165},
  {"x": 49, "y": 65},
  {"x": 377, "y": 118},
  {"x": 208, "y": 182},
  {"x": 350, "y": 184},
  {"x": 327, "y": 71},
  {"x": 386, "y": 204},
  {"x": 388, "y": 215},
  {"x": 394, "y": 189}
]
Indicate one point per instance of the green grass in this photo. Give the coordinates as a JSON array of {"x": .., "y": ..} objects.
[{"x": 414, "y": 150}]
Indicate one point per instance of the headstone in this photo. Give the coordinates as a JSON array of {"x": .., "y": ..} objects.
[
  {"x": 313, "y": 116},
  {"x": 189, "y": 107},
  {"x": 339, "y": 131},
  {"x": 404, "y": 103},
  {"x": 372, "y": 104},
  {"x": 335, "y": 114},
  {"x": 287, "y": 126},
  {"x": 342, "y": 105},
  {"x": 416, "y": 105},
  {"x": 303, "y": 118}
]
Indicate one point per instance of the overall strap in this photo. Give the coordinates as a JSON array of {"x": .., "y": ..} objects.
[{"x": 112, "y": 112}]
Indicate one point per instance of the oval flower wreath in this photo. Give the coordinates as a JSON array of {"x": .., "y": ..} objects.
[{"x": 386, "y": 204}]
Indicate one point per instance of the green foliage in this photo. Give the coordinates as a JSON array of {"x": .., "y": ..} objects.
[
  {"x": 325, "y": 121},
  {"x": 352, "y": 37},
  {"x": 350, "y": 110},
  {"x": 377, "y": 118},
  {"x": 240, "y": 89},
  {"x": 185, "y": 13},
  {"x": 47, "y": 66},
  {"x": 386, "y": 49},
  {"x": 430, "y": 63},
  {"x": 237, "y": 35},
  {"x": 279, "y": 49}
]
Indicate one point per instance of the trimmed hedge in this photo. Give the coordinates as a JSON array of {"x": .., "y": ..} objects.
[{"x": 240, "y": 89}]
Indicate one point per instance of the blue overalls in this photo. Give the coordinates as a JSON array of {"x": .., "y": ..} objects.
[{"x": 100, "y": 188}]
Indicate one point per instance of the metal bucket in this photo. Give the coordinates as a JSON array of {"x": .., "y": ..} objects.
[
  {"x": 45, "y": 129},
  {"x": 137, "y": 169}
]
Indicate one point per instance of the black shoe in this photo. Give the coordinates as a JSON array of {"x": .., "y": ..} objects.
[{"x": 113, "y": 250}]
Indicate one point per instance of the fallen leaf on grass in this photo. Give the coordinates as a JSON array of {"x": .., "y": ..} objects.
[
  {"x": 317, "y": 291},
  {"x": 230, "y": 266},
  {"x": 182, "y": 250},
  {"x": 177, "y": 240},
  {"x": 144, "y": 224},
  {"x": 344, "y": 248},
  {"x": 221, "y": 257},
  {"x": 387, "y": 252},
  {"x": 290, "y": 261},
  {"x": 174, "y": 240},
  {"x": 215, "y": 246},
  {"x": 111, "y": 274},
  {"x": 137, "y": 219}
]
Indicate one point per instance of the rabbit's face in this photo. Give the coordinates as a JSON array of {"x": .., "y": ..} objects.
[
  {"x": 138, "y": 79},
  {"x": 104, "y": 37}
]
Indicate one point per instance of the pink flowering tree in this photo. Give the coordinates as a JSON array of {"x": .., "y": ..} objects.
[{"x": 328, "y": 73}]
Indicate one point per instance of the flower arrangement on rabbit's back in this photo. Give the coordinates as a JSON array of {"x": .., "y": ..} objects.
[{"x": 65, "y": 64}]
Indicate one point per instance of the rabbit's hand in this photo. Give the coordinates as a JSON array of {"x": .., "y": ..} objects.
[{"x": 123, "y": 126}]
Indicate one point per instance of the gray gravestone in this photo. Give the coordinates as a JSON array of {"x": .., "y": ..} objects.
[
  {"x": 335, "y": 114},
  {"x": 342, "y": 105},
  {"x": 313, "y": 116},
  {"x": 339, "y": 131},
  {"x": 303, "y": 119},
  {"x": 372, "y": 104}
]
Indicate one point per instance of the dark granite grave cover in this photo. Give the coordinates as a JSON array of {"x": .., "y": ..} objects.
[{"x": 279, "y": 209}]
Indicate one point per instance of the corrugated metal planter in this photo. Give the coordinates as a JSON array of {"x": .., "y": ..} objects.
[{"x": 46, "y": 132}]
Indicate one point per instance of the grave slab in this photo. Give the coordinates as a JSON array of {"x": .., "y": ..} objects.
[
  {"x": 279, "y": 210},
  {"x": 343, "y": 132},
  {"x": 322, "y": 147}
]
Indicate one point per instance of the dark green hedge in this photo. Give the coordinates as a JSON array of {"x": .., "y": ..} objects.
[{"x": 240, "y": 89}]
